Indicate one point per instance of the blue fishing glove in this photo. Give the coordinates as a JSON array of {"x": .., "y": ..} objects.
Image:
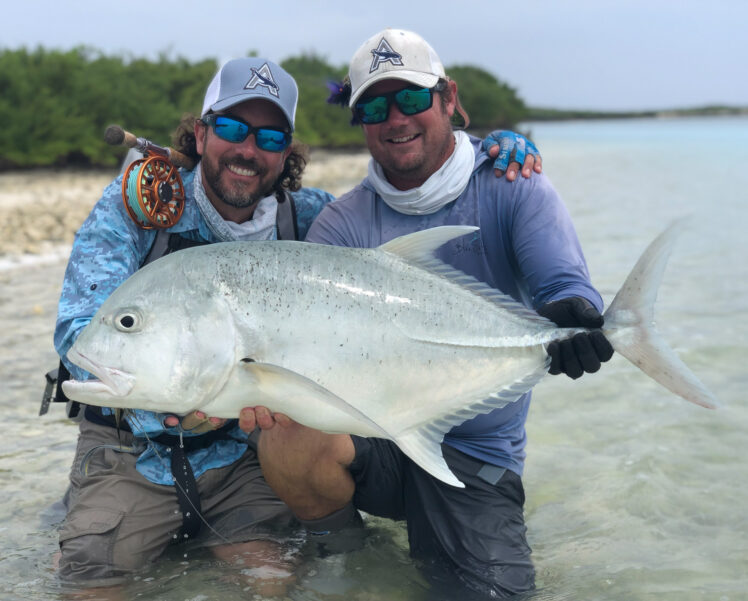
[
  {"x": 583, "y": 352},
  {"x": 512, "y": 147}
]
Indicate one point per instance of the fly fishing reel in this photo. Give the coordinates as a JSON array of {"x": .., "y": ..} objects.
[
  {"x": 153, "y": 192},
  {"x": 152, "y": 189}
]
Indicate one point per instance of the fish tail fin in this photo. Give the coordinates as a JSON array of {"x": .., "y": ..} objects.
[
  {"x": 423, "y": 446},
  {"x": 629, "y": 323}
]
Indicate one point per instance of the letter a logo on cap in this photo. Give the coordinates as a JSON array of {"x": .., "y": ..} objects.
[
  {"x": 383, "y": 54},
  {"x": 263, "y": 77}
]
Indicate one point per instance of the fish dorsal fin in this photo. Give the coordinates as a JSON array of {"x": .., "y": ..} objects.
[
  {"x": 482, "y": 289},
  {"x": 418, "y": 249},
  {"x": 420, "y": 246}
]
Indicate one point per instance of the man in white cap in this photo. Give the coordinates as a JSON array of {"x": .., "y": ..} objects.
[{"x": 422, "y": 175}]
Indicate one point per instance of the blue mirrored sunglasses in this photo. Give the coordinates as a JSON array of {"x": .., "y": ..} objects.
[
  {"x": 410, "y": 101},
  {"x": 235, "y": 130}
]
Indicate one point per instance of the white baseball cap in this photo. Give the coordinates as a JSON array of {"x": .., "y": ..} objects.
[{"x": 394, "y": 54}]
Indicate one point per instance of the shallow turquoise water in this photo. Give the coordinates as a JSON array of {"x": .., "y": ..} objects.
[{"x": 632, "y": 493}]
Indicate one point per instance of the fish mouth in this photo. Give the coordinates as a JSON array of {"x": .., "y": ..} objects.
[{"x": 109, "y": 382}]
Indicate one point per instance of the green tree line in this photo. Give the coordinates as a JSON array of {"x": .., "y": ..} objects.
[{"x": 55, "y": 105}]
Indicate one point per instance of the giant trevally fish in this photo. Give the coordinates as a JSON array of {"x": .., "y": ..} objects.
[{"x": 387, "y": 342}]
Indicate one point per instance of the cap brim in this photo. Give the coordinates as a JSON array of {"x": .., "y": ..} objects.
[{"x": 427, "y": 80}]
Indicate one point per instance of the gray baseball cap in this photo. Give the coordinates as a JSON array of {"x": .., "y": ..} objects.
[{"x": 251, "y": 78}]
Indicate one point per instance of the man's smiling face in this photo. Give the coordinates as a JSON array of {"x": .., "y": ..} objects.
[
  {"x": 410, "y": 148},
  {"x": 237, "y": 176}
]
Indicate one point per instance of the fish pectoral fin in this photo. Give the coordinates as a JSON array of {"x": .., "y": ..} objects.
[
  {"x": 275, "y": 383},
  {"x": 285, "y": 391},
  {"x": 423, "y": 445}
]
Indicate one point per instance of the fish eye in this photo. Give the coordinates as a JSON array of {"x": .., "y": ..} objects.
[{"x": 126, "y": 322}]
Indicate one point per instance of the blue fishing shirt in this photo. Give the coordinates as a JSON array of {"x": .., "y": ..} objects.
[
  {"x": 526, "y": 247},
  {"x": 108, "y": 248}
]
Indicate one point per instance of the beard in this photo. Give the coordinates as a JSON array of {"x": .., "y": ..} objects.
[
  {"x": 419, "y": 163},
  {"x": 236, "y": 194}
]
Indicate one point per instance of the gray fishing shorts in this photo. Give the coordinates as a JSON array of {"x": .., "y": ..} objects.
[
  {"x": 118, "y": 521},
  {"x": 468, "y": 540}
]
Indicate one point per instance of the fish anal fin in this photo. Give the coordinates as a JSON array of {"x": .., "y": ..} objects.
[
  {"x": 423, "y": 446},
  {"x": 440, "y": 425},
  {"x": 422, "y": 443}
]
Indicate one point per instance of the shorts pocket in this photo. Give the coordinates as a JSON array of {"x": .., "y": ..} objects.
[
  {"x": 90, "y": 521},
  {"x": 87, "y": 540}
]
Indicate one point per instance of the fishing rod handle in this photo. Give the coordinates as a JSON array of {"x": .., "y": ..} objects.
[{"x": 117, "y": 136}]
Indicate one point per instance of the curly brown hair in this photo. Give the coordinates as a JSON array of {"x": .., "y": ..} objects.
[{"x": 183, "y": 140}]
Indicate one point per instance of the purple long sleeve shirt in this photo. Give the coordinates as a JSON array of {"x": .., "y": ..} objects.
[{"x": 526, "y": 247}]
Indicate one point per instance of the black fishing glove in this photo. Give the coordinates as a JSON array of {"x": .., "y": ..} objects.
[{"x": 584, "y": 351}]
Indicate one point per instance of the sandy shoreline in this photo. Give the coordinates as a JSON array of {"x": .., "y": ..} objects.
[{"x": 43, "y": 209}]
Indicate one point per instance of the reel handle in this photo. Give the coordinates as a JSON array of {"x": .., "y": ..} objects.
[{"x": 116, "y": 136}]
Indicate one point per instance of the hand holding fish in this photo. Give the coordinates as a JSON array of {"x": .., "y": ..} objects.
[
  {"x": 253, "y": 417},
  {"x": 196, "y": 422},
  {"x": 583, "y": 352}
]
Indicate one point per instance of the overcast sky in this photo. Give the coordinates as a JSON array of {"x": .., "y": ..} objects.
[{"x": 589, "y": 54}]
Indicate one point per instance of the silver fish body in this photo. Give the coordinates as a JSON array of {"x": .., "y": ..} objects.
[{"x": 384, "y": 342}]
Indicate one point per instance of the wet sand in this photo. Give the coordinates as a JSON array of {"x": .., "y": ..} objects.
[{"x": 41, "y": 210}]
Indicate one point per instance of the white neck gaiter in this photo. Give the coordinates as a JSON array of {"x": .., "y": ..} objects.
[
  {"x": 260, "y": 227},
  {"x": 441, "y": 188}
]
